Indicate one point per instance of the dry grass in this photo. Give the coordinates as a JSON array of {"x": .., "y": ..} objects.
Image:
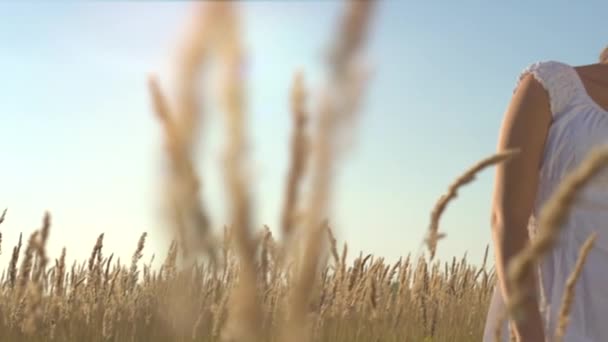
[{"x": 250, "y": 286}]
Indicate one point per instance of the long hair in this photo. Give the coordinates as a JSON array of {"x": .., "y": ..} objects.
[{"x": 604, "y": 56}]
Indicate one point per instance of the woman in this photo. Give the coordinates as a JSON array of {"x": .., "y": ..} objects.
[{"x": 557, "y": 114}]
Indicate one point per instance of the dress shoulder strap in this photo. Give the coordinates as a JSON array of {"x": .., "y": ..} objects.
[{"x": 558, "y": 80}]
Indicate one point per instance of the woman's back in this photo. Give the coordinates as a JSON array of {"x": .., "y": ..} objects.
[{"x": 579, "y": 109}]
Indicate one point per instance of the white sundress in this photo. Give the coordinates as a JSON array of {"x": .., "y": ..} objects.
[{"x": 579, "y": 124}]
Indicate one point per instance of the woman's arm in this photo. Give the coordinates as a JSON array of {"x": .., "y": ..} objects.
[{"x": 525, "y": 126}]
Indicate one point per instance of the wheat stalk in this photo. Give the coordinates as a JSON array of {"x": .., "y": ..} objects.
[
  {"x": 2, "y": 217},
  {"x": 299, "y": 143},
  {"x": 335, "y": 109},
  {"x": 181, "y": 124},
  {"x": 467, "y": 177},
  {"x": 568, "y": 296},
  {"x": 243, "y": 322}
]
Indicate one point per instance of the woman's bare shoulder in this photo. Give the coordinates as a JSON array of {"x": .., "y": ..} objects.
[{"x": 596, "y": 69}]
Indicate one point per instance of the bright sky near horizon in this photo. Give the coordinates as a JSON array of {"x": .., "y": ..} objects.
[{"x": 78, "y": 138}]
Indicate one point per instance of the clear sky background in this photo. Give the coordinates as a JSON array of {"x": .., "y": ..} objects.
[{"x": 78, "y": 138}]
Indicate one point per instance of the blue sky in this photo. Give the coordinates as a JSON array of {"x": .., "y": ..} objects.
[{"x": 78, "y": 138}]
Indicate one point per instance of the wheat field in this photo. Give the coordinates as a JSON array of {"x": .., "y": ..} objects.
[
  {"x": 243, "y": 283},
  {"x": 101, "y": 299}
]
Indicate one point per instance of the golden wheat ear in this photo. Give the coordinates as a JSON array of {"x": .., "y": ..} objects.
[
  {"x": 568, "y": 297},
  {"x": 467, "y": 177}
]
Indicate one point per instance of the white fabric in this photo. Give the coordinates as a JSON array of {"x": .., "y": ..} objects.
[{"x": 579, "y": 124}]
